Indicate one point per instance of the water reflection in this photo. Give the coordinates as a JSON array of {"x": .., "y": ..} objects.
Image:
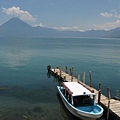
[
  {"x": 15, "y": 59},
  {"x": 65, "y": 113}
]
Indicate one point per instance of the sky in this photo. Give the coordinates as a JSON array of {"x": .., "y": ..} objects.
[{"x": 76, "y": 15}]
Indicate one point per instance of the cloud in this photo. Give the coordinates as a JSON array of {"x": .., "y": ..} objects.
[
  {"x": 107, "y": 26},
  {"x": 106, "y": 14},
  {"x": 17, "y": 12},
  {"x": 117, "y": 16},
  {"x": 40, "y": 24},
  {"x": 73, "y": 28}
]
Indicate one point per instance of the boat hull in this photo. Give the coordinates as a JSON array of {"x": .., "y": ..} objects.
[{"x": 79, "y": 113}]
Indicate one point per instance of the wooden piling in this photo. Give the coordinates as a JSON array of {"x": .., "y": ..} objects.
[
  {"x": 72, "y": 71},
  {"x": 76, "y": 73},
  {"x": 60, "y": 67},
  {"x": 99, "y": 93},
  {"x": 54, "y": 69},
  {"x": 108, "y": 108},
  {"x": 117, "y": 93},
  {"x": 66, "y": 69},
  {"x": 83, "y": 80},
  {"x": 65, "y": 78},
  {"x": 90, "y": 78},
  {"x": 99, "y": 96},
  {"x": 78, "y": 77},
  {"x": 100, "y": 87}
]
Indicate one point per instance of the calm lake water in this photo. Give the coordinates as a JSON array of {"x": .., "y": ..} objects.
[{"x": 27, "y": 93}]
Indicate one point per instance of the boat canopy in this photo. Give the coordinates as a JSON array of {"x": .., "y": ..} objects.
[{"x": 76, "y": 89}]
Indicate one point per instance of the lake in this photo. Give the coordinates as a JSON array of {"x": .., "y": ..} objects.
[{"x": 28, "y": 93}]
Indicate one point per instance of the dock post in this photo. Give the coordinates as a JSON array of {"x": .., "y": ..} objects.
[
  {"x": 100, "y": 88},
  {"x": 99, "y": 96},
  {"x": 76, "y": 73},
  {"x": 65, "y": 78},
  {"x": 72, "y": 71},
  {"x": 90, "y": 78},
  {"x": 117, "y": 93},
  {"x": 108, "y": 110},
  {"x": 83, "y": 80},
  {"x": 54, "y": 69},
  {"x": 99, "y": 93},
  {"x": 66, "y": 69},
  {"x": 78, "y": 77},
  {"x": 60, "y": 67}
]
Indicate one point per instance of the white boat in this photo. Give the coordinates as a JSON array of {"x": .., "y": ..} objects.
[{"x": 79, "y": 100}]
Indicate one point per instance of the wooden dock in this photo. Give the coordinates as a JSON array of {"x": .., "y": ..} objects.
[{"x": 111, "y": 105}]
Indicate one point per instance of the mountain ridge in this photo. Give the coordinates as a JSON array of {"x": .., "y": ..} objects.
[{"x": 17, "y": 27}]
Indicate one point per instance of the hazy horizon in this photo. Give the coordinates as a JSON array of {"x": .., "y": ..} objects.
[{"x": 77, "y": 15}]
